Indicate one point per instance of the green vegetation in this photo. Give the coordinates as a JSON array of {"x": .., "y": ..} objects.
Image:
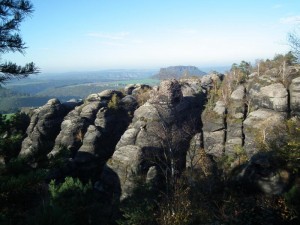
[
  {"x": 206, "y": 201},
  {"x": 114, "y": 103},
  {"x": 12, "y": 13},
  {"x": 14, "y": 104},
  {"x": 12, "y": 133}
]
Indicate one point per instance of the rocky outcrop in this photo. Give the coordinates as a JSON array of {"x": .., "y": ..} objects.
[
  {"x": 273, "y": 96},
  {"x": 91, "y": 131},
  {"x": 75, "y": 125},
  {"x": 294, "y": 90},
  {"x": 118, "y": 145},
  {"x": 86, "y": 125},
  {"x": 161, "y": 128},
  {"x": 214, "y": 129},
  {"x": 44, "y": 127},
  {"x": 190, "y": 86},
  {"x": 262, "y": 128},
  {"x": 211, "y": 80},
  {"x": 253, "y": 116},
  {"x": 234, "y": 121}
]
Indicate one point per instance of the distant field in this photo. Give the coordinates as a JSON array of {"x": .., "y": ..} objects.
[
  {"x": 13, "y": 104},
  {"x": 8, "y": 116},
  {"x": 83, "y": 90},
  {"x": 35, "y": 92}
]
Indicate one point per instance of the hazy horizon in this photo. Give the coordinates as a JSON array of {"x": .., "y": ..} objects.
[{"x": 64, "y": 36}]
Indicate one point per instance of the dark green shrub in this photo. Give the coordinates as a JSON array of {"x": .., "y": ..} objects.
[
  {"x": 80, "y": 202},
  {"x": 141, "y": 207}
]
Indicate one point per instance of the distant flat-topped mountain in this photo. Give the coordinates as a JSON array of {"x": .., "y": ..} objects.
[{"x": 178, "y": 71}]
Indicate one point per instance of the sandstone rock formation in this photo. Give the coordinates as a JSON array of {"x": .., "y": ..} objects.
[
  {"x": 295, "y": 96},
  {"x": 163, "y": 126},
  {"x": 91, "y": 131},
  {"x": 117, "y": 144},
  {"x": 273, "y": 96},
  {"x": 214, "y": 129},
  {"x": 44, "y": 127},
  {"x": 262, "y": 126}
]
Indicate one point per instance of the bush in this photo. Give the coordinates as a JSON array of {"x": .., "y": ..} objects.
[
  {"x": 140, "y": 208},
  {"x": 79, "y": 202},
  {"x": 114, "y": 102},
  {"x": 21, "y": 189}
]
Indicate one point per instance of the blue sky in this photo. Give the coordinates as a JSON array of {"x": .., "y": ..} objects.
[{"x": 78, "y": 35}]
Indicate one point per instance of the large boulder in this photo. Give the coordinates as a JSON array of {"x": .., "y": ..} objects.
[
  {"x": 273, "y": 96},
  {"x": 190, "y": 86}
]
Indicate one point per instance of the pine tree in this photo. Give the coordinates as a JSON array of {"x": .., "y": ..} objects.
[{"x": 12, "y": 13}]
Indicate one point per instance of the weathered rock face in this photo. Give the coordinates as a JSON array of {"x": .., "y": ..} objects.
[
  {"x": 169, "y": 93},
  {"x": 198, "y": 161},
  {"x": 253, "y": 116},
  {"x": 91, "y": 131},
  {"x": 234, "y": 121},
  {"x": 273, "y": 96},
  {"x": 191, "y": 86},
  {"x": 76, "y": 124},
  {"x": 210, "y": 80},
  {"x": 295, "y": 96},
  {"x": 94, "y": 115},
  {"x": 44, "y": 127},
  {"x": 161, "y": 127},
  {"x": 263, "y": 127},
  {"x": 214, "y": 129}
]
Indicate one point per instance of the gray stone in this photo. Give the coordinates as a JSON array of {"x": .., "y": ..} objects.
[
  {"x": 295, "y": 96},
  {"x": 43, "y": 128},
  {"x": 107, "y": 94},
  {"x": 156, "y": 129},
  {"x": 263, "y": 127},
  {"x": 214, "y": 142},
  {"x": 273, "y": 96},
  {"x": 125, "y": 163},
  {"x": 90, "y": 145},
  {"x": 190, "y": 86},
  {"x": 238, "y": 94}
]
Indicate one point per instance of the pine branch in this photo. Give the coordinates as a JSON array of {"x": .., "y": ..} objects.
[{"x": 11, "y": 70}]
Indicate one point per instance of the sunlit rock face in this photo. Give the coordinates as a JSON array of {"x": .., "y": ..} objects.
[
  {"x": 162, "y": 126},
  {"x": 44, "y": 127}
]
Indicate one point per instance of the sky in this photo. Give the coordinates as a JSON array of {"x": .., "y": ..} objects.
[{"x": 90, "y": 35}]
